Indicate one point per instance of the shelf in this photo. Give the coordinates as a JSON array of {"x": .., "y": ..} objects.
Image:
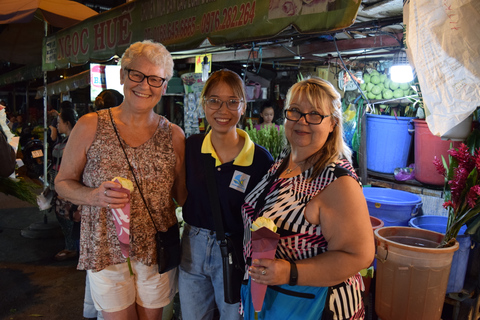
[
  {"x": 396, "y": 100},
  {"x": 384, "y": 180}
]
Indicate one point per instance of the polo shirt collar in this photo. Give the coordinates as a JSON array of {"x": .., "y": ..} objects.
[{"x": 244, "y": 158}]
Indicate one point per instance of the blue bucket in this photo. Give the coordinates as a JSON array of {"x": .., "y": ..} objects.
[
  {"x": 460, "y": 257},
  {"x": 388, "y": 142},
  {"x": 393, "y": 207}
]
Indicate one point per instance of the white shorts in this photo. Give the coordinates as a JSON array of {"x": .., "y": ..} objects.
[{"x": 114, "y": 289}]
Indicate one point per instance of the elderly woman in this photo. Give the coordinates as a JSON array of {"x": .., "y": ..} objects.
[
  {"x": 314, "y": 197},
  {"x": 94, "y": 155}
]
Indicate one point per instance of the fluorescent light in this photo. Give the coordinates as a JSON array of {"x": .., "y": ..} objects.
[{"x": 401, "y": 71}]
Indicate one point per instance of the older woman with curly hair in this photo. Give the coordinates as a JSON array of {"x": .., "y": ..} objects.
[{"x": 97, "y": 151}]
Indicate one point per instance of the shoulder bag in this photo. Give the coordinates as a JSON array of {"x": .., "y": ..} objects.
[
  {"x": 231, "y": 246},
  {"x": 168, "y": 242}
]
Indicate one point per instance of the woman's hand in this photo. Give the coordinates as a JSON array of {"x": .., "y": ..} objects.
[
  {"x": 105, "y": 196},
  {"x": 270, "y": 272}
]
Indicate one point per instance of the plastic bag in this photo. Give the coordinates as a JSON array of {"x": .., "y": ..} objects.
[{"x": 403, "y": 174}]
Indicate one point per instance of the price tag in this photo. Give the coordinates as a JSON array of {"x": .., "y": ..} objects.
[{"x": 37, "y": 153}]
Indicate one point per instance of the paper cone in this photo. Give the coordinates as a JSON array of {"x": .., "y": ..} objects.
[
  {"x": 264, "y": 245},
  {"x": 121, "y": 217}
]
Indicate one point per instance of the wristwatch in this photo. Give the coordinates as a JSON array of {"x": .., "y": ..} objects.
[{"x": 293, "y": 274}]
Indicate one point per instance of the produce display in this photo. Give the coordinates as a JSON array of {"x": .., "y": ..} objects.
[{"x": 378, "y": 86}]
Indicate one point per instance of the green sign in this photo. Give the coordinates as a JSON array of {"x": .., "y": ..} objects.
[
  {"x": 21, "y": 74},
  {"x": 185, "y": 24}
]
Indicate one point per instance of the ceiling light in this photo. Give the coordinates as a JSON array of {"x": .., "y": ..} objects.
[{"x": 401, "y": 71}]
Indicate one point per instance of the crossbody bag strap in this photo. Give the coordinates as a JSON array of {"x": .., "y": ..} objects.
[
  {"x": 131, "y": 169},
  {"x": 261, "y": 200},
  {"x": 213, "y": 195}
]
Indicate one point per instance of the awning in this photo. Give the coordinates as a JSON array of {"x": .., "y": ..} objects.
[
  {"x": 184, "y": 25},
  {"x": 23, "y": 26},
  {"x": 80, "y": 80},
  {"x": 21, "y": 74}
]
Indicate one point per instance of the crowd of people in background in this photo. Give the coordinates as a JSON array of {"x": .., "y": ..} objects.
[{"x": 310, "y": 192}]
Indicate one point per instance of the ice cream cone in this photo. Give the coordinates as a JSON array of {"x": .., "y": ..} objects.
[
  {"x": 264, "y": 245},
  {"x": 121, "y": 217}
]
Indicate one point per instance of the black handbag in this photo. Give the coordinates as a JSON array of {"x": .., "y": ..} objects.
[
  {"x": 168, "y": 242},
  {"x": 231, "y": 246},
  {"x": 168, "y": 249}
]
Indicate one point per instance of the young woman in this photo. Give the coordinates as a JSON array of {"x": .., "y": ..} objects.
[{"x": 238, "y": 164}]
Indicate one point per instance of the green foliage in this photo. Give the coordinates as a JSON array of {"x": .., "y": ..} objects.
[
  {"x": 20, "y": 189},
  {"x": 268, "y": 137}
]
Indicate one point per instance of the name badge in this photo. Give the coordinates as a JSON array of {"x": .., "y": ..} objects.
[{"x": 239, "y": 181}]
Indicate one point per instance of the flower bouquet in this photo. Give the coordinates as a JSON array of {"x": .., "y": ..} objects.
[
  {"x": 462, "y": 188},
  {"x": 264, "y": 245}
]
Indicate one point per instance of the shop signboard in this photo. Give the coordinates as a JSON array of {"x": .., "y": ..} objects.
[{"x": 185, "y": 24}]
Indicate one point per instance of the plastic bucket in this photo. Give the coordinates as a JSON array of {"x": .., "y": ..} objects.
[
  {"x": 393, "y": 207},
  {"x": 458, "y": 270},
  {"x": 388, "y": 142},
  {"x": 427, "y": 147},
  {"x": 412, "y": 274},
  {"x": 376, "y": 223}
]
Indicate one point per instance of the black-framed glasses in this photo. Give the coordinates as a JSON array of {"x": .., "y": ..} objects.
[
  {"x": 215, "y": 103},
  {"x": 310, "y": 118},
  {"x": 137, "y": 76}
]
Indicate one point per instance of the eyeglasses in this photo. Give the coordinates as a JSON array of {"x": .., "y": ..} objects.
[
  {"x": 215, "y": 104},
  {"x": 137, "y": 76},
  {"x": 310, "y": 118}
]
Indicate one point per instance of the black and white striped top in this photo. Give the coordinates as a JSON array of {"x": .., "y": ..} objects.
[{"x": 285, "y": 204}]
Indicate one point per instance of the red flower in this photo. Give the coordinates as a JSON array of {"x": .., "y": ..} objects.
[
  {"x": 448, "y": 204},
  {"x": 439, "y": 166},
  {"x": 457, "y": 185},
  {"x": 473, "y": 196},
  {"x": 463, "y": 190}
]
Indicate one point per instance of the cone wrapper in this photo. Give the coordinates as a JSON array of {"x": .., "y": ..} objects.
[
  {"x": 264, "y": 245},
  {"x": 121, "y": 217}
]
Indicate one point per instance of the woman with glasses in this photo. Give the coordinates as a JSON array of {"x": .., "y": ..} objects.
[
  {"x": 314, "y": 197},
  {"x": 128, "y": 141},
  {"x": 236, "y": 164}
]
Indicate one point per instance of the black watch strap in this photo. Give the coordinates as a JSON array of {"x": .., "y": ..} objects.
[{"x": 293, "y": 274}]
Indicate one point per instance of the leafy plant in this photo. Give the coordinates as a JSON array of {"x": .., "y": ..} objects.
[
  {"x": 269, "y": 137},
  {"x": 20, "y": 188},
  {"x": 462, "y": 188}
]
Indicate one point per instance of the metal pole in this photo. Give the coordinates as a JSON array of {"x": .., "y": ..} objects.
[{"x": 45, "y": 128}]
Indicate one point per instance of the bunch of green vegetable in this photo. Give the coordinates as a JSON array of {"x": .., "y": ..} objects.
[
  {"x": 269, "y": 137},
  {"x": 378, "y": 86},
  {"x": 21, "y": 189}
]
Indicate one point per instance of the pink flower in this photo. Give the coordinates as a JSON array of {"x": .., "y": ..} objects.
[
  {"x": 473, "y": 196},
  {"x": 458, "y": 184},
  {"x": 291, "y": 7},
  {"x": 439, "y": 166},
  {"x": 463, "y": 190},
  {"x": 477, "y": 159},
  {"x": 463, "y": 156}
]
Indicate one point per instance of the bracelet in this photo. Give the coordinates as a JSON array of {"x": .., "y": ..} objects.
[{"x": 293, "y": 274}]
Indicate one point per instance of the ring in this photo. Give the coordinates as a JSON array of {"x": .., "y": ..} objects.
[
  {"x": 264, "y": 272},
  {"x": 108, "y": 206},
  {"x": 105, "y": 192}
]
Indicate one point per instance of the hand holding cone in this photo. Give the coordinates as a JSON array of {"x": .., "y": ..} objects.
[
  {"x": 264, "y": 245},
  {"x": 121, "y": 216}
]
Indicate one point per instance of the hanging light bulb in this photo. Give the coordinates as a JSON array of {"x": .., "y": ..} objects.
[
  {"x": 205, "y": 68},
  {"x": 401, "y": 71}
]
